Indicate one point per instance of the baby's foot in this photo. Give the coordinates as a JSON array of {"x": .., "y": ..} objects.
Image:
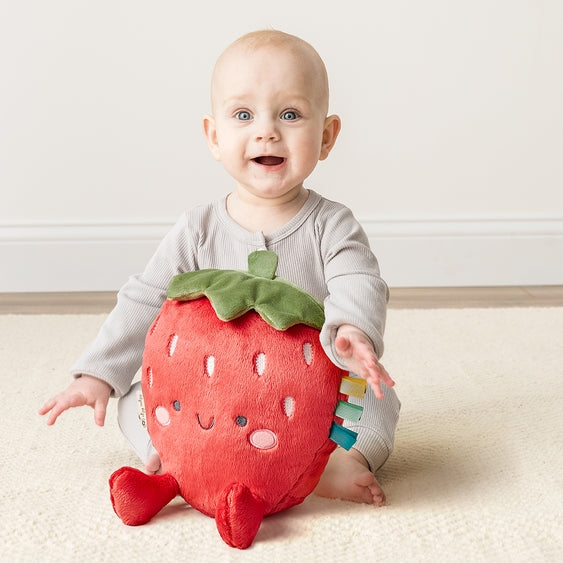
[
  {"x": 347, "y": 477},
  {"x": 152, "y": 465}
]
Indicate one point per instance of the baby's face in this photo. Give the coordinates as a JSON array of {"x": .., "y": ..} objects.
[{"x": 269, "y": 113}]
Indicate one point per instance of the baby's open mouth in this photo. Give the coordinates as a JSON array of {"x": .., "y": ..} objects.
[{"x": 269, "y": 160}]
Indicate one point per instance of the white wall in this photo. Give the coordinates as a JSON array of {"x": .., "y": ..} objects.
[{"x": 451, "y": 152}]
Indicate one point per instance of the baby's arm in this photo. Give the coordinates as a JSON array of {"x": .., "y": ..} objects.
[
  {"x": 85, "y": 390},
  {"x": 116, "y": 353},
  {"x": 357, "y": 353}
]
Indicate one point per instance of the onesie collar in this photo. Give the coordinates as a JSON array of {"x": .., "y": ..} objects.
[{"x": 258, "y": 239}]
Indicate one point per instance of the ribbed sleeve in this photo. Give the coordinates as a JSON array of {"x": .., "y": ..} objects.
[
  {"x": 116, "y": 353},
  {"x": 356, "y": 293}
]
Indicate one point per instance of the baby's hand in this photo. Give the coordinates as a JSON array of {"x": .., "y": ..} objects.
[
  {"x": 85, "y": 390},
  {"x": 356, "y": 351}
]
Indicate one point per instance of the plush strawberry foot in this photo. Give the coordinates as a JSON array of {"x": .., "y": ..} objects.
[
  {"x": 137, "y": 497},
  {"x": 239, "y": 515}
]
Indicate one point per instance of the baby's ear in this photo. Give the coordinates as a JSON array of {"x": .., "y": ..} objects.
[
  {"x": 330, "y": 133},
  {"x": 210, "y": 132}
]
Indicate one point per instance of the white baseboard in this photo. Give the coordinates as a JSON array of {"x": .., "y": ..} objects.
[
  {"x": 75, "y": 257},
  {"x": 412, "y": 253},
  {"x": 469, "y": 252}
]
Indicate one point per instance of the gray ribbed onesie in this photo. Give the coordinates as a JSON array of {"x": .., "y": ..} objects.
[{"x": 323, "y": 249}]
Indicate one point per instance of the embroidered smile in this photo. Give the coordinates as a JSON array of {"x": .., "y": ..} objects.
[{"x": 209, "y": 425}]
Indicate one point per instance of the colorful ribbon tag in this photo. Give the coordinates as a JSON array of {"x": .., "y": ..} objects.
[
  {"x": 353, "y": 386},
  {"x": 348, "y": 411},
  {"x": 342, "y": 436}
]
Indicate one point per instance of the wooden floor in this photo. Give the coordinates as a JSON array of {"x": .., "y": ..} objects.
[{"x": 401, "y": 298}]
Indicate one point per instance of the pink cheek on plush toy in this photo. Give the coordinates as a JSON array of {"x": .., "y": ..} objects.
[
  {"x": 162, "y": 415},
  {"x": 263, "y": 439}
]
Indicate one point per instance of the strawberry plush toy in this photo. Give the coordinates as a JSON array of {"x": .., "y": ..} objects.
[{"x": 242, "y": 403}]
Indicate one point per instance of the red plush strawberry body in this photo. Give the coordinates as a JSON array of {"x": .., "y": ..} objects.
[
  {"x": 248, "y": 404},
  {"x": 240, "y": 412}
]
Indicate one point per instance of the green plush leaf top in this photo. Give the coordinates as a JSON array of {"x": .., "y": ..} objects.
[{"x": 233, "y": 293}]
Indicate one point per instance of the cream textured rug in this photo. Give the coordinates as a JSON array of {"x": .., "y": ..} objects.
[{"x": 477, "y": 473}]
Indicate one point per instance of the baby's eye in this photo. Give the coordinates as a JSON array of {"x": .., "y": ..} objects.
[
  {"x": 289, "y": 115},
  {"x": 243, "y": 115}
]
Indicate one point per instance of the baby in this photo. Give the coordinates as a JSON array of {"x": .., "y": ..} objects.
[{"x": 269, "y": 128}]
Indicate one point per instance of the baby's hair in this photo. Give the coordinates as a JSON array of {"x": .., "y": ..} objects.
[
  {"x": 279, "y": 39},
  {"x": 274, "y": 38}
]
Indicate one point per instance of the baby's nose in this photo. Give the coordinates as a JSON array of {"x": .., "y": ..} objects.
[{"x": 267, "y": 131}]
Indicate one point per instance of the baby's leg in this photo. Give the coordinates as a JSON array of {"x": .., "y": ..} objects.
[
  {"x": 349, "y": 474},
  {"x": 133, "y": 426}
]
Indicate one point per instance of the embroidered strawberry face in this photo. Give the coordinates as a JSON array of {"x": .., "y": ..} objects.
[{"x": 239, "y": 394}]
